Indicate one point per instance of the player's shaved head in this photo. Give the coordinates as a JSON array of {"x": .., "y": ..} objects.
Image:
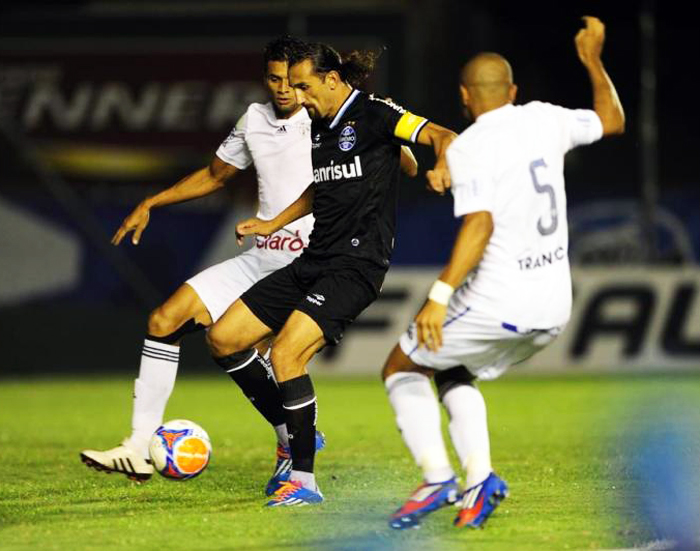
[
  {"x": 488, "y": 73},
  {"x": 488, "y": 80}
]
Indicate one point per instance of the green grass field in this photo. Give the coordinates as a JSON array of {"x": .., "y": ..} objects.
[{"x": 559, "y": 442}]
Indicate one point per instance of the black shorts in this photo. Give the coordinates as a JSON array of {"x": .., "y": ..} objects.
[{"x": 331, "y": 292}]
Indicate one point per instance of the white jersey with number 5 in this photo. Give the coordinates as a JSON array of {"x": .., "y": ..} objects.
[{"x": 510, "y": 162}]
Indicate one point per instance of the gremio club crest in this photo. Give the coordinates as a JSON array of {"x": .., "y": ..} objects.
[{"x": 347, "y": 138}]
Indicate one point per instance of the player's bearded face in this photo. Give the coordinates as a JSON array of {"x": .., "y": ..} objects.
[
  {"x": 310, "y": 89},
  {"x": 277, "y": 84}
]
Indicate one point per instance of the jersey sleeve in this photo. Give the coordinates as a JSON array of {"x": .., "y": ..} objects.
[
  {"x": 473, "y": 186},
  {"x": 578, "y": 126},
  {"x": 234, "y": 149},
  {"x": 393, "y": 121}
]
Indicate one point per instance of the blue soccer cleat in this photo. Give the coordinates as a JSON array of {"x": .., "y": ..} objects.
[
  {"x": 283, "y": 466},
  {"x": 426, "y": 499},
  {"x": 478, "y": 502},
  {"x": 292, "y": 494}
]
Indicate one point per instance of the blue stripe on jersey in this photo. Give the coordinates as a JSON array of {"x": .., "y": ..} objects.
[
  {"x": 455, "y": 318},
  {"x": 448, "y": 322}
]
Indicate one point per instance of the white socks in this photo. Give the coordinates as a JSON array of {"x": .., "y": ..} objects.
[
  {"x": 308, "y": 480},
  {"x": 151, "y": 392},
  {"x": 418, "y": 417},
  {"x": 469, "y": 431}
]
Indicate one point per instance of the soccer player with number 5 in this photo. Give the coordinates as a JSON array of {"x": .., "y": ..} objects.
[{"x": 507, "y": 172}]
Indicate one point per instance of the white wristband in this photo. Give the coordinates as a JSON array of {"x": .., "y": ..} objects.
[{"x": 441, "y": 292}]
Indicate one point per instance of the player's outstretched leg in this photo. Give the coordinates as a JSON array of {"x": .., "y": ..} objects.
[
  {"x": 253, "y": 373},
  {"x": 418, "y": 418},
  {"x": 469, "y": 433},
  {"x": 182, "y": 313},
  {"x": 299, "y": 339}
]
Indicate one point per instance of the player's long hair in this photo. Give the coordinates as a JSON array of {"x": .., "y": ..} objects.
[{"x": 354, "y": 68}]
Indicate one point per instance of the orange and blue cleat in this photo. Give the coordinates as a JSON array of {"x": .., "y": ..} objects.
[
  {"x": 426, "y": 499},
  {"x": 283, "y": 466},
  {"x": 292, "y": 493},
  {"x": 479, "y": 501}
]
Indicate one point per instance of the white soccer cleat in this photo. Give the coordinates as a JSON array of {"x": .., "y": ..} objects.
[{"x": 121, "y": 459}]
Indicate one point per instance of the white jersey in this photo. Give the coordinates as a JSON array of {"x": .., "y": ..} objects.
[
  {"x": 280, "y": 149},
  {"x": 510, "y": 162}
]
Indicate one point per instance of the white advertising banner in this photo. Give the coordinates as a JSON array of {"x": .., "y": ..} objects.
[{"x": 623, "y": 320}]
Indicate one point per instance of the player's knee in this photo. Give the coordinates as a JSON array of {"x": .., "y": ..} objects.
[
  {"x": 395, "y": 363},
  {"x": 451, "y": 378},
  {"x": 161, "y": 323},
  {"x": 388, "y": 370},
  {"x": 221, "y": 343}
]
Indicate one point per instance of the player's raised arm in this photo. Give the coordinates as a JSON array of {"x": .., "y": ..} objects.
[
  {"x": 606, "y": 103},
  {"x": 198, "y": 184},
  {"x": 255, "y": 226},
  {"x": 439, "y": 138}
]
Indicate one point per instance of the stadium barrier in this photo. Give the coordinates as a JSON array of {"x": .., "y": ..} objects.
[{"x": 623, "y": 320}]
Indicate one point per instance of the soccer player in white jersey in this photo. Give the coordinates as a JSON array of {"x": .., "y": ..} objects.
[
  {"x": 275, "y": 138},
  {"x": 507, "y": 172}
]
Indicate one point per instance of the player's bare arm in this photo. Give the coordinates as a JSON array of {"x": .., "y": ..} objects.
[
  {"x": 469, "y": 247},
  {"x": 198, "y": 184},
  {"x": 439, "y": 138},
  {"x": 299, "y": 208},
  {"x": 606, "y": 103},
  {"x": 409, "y": 164}
]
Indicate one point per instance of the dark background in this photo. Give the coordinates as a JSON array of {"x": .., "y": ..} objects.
[{"x": 614, "y": 218}]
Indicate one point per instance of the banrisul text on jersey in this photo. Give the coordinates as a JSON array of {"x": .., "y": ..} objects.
[{"x": 356, "y": 168}]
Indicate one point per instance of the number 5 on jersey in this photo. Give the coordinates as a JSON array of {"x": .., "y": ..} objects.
[{"x": 549, "y": 190}]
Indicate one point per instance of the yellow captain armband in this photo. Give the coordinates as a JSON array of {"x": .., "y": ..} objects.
[{"x": 408, "y": 126}]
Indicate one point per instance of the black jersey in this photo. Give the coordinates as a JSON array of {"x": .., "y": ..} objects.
[{"x": 356, "y": 162}]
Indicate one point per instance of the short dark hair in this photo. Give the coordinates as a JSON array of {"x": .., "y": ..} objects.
[
  {"x": 354, "y": 68},
  {"x": 279, "y": 49}
]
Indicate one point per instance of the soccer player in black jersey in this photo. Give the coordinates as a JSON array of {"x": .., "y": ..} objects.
[{"x": 356, "y": 140}]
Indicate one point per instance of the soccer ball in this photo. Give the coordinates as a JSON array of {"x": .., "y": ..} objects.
[{"x": 180, "y": 449}]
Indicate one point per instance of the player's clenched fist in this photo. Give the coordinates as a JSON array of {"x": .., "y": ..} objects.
[
  {"x": 439, "y": 179},
  {"x": 429, "y": 325},
  {"x": 136, "y": 222},
  {"x": 590, "y": 39}
]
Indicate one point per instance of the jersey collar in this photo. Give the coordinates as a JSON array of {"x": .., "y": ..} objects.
[
  {"x": 272, "y": 115},
  {"x": 496, "y": 114},
  {"x": 343, "y": 108}
]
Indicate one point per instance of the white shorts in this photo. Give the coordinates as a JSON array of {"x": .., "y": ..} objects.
[
  {"x": 222, "y": 284},
  {"x": 485, "y": 346}
]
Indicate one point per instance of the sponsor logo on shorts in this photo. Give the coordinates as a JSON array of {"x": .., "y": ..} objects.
[
  {"x": 316, "y": 299},
  {"x": 276, "y": 242}
]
